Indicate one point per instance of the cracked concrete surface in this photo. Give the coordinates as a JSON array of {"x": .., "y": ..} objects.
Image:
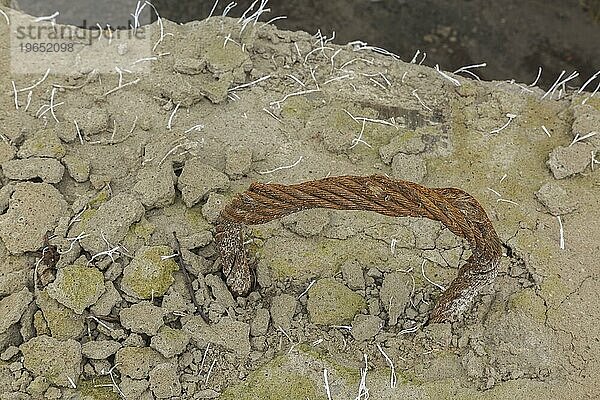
[{"x": 533, "y": 334}]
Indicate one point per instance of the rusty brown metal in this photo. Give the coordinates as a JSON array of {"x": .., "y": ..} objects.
[{"x": 455, "y": 208}]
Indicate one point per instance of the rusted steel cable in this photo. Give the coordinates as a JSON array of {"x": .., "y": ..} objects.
[{"x": 456, "y": 209}]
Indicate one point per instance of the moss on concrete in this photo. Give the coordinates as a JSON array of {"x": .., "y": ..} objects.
[
  {"x": 148, "y": 275},
  {"x": 332, "y": 303},
  {"x": 274, "y": 383},
  {"x": 77, "y": 287},
  {"x": 98, "y": 389}
]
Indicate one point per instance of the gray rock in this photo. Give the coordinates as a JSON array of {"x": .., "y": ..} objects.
[
  {"x": 77, "y": 167},
  {"x": 12, "y": 337},
  {"x": 219, "y": 290},
  {"x": 365, "y": 327},
  {"x": 9, "y": 353},
  {"x": 197, "y": 180},
  {"x": 195, "y": 240},
  {"x": 156, "y": 185},
  {"x": 374, "y": 306},
  {"x": 77, "y": 287},
  {"x": 238, "y": 161},
  {"x": 42, "y": 144},
  {"x": 62, "y": 321},
  {"x": 189, "y": 65},
  {"x": 260, "y": 323},
  {"x": 231, "y": 334},
  {"x": 164, "y": 381},
  {"x": 100, "y": 349},
  {"x": 407, "y": 142},
  {"x": 54, "y": 359},
  {"x": 283, "y": 308},
  {"x": 14, "y": 272},
  {"x": 332, "y": 303},
  {"x": 53, "y": 393},
  {"x": 570, "y": 160},
  {"x": 5, "y": 192},
  {"x": 48, "y": 170},
  {"x": 7, "y": 152},
  {"x": 38, "y": 386},
  {"x": 409, "y": 167},
  {"x": 134, "y": 340},
  {"x": 147, "y": 275},
  {"x": 91, "y": 120},
  {"x": 308, "y": 223},
  {"x": 213, "y": 206},
  {"x": 137, "y": 362},
  {"x": 207, "y": 394},
  {"x": 395, "y": 294},
  {"x": 111, "y": 222},
  {"x": 142, "y": 317},
  {"x": 133, "y": 388},
  {"x": 556, "y": 199},
  {"x": 12, "y": 307},
  {"x": 23, "y": 226},
  {"x": 170, "y": 342},
  {"x": 439, "y": 333},
  {"x": 586, "y": 119},
  {"x": 473, "y": 365},
  {"x": 352, "y": 272},
  {"x": 174, "y": 302},
  {"x": 107, "y": 301}
]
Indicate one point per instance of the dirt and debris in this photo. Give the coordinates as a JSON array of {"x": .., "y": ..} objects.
[{"x": 216, "y": 110}]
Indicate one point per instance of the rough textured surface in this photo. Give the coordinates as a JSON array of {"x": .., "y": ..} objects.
[
  {"x": 137, "y": 362},
  {"x": 12, "y": 307},
  {"x": 556, "y": 199},
  {"x": 283, "y": 308},
  {"x": 232, "y": 335},
  {"x": 148, "y": 275},
  {"x": 164, "y": 381},
  {"x": 53, "y": 359},
  {"x": 528, "y": 335},
  {"x": 365, "y": 327},
  {"x": 170, "y": 342},
  {"x": 45, "y": 143},
  {"x": 332, "y": 303},
  {"x": 395, "y": 294},
  {"x": 142, "y": 317},
  {"x": 47, "y": 169},
  {"x": 78, "y": 168},
  {"x": 77, "y": 287},
  {"x": 63, "y": 322},
  {"x": 110, "y": 223},
  {"x": 22, "y": 228},
  {"x": 198, "y": 179},
  {"x": 156, "y": 186},
  {"x": 570, "y": 160},
  {"x": 100, "y": 349}
]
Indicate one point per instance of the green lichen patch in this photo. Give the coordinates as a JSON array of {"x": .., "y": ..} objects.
[
  {"x": 101, "y": 197},
  {"x": 139, "y": 234},
  {"x": 43, "y": 144},
  {"x": 530, "y": 303},
  {"x": 148, "y": 275},
  {"x": 100, "y": 388},
  {"x": 332, "y": 303},
  {"x": 274, "y": 383},
  {"x": 77, "y": 287},
  {"x": 62, "y": 321}
]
